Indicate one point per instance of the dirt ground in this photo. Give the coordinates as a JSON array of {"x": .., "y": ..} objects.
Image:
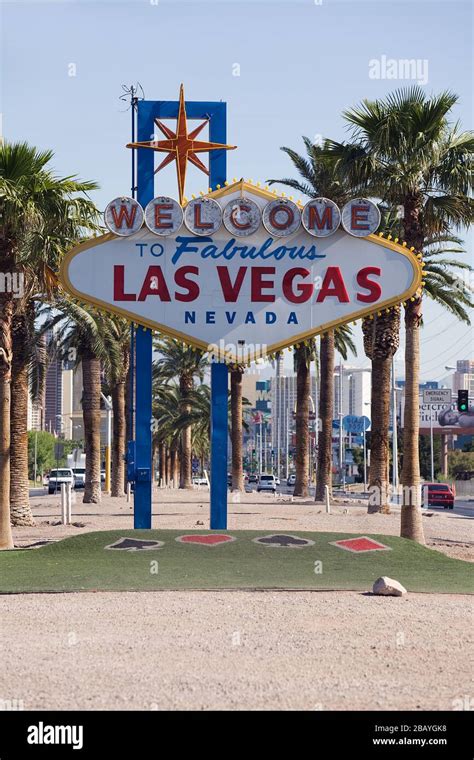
[{"x": 235, "y": 650}]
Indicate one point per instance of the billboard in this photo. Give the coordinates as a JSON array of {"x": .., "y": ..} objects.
[{"x": 444, "y": 418}]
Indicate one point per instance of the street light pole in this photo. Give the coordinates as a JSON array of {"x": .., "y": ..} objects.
[
  {"x": 108, "y": 440},
  {"x": 431, "y": 443}
]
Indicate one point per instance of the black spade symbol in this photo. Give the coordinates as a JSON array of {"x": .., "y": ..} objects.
[
  {"x": 282, "y": 540},
  {"x": 134, "y": 544}
]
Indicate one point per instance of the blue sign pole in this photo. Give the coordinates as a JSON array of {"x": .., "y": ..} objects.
[
  {"x": 216, "y": 113},
  {"x": 219, "y": 393}
]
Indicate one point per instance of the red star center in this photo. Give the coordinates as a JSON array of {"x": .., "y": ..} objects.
[{"x": 181, "y": 146}]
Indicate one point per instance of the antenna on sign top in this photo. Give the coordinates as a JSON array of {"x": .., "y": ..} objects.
[{"x": 132, "y": 95}]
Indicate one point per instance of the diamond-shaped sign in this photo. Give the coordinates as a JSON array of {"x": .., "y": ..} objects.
[
  {"x": 360, "y": 544},
  {"x": 241, "y": 296}
]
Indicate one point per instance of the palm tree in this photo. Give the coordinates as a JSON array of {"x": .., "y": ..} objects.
[
  {"x": 177, "y": 359},
  {"x": 236, "y": 375},
  {"x": 318, "y": 178},
  {"x": 406, "y": 153},
  {"x": 32, "y": 200},
  {"x": 117, "y": 375},
  {"x": 28, "y": 374},
  {"x": 304, "y": 354},
  {"x": 326, "y": 412},
  {"x": 381, "y": 340},
  {"x": 89, "y": 333}
]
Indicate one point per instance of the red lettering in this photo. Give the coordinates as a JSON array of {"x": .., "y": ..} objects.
[
  {"x": 154, "y": 284},
  {"x": 358, "y": 216},
  {"x": 316, "y": 222},
  {"x": 230, "y": 291},
  {"x": 258, "y": 284},
  {"x": 124, "y": 214},
  {"x": 289, "y": 217},
  {"x": 333, "y": 285},
  {"x": 239, "y": 225},
  {"x": 160, "y": 208},
  {"x": 182, "y": 282},
  {"x": 375, "y": 291},
  {"x": 119, "y": 285},
  {"x": 198, "y": 223},
  {"x": 304, "y": 289}
]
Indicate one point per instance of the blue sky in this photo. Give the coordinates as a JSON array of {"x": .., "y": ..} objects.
[{"x": 301, "y": 64}]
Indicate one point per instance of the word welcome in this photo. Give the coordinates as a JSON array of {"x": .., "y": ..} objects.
[{"x": 242, "y": 216}]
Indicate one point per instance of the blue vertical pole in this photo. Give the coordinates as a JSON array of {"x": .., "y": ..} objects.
[
  {"x": 143, "y": 352},
  {"x": 219, "y": 375},
  {"x": 219, "y": 393}
]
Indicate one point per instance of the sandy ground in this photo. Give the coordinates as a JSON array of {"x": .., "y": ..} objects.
[{"x": 234, "y": 650}]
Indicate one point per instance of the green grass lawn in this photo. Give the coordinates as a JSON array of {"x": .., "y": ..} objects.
[{"x": 82, "y": 563}]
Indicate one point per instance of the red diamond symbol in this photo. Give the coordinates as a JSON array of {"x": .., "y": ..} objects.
[
  {"x": 206, "y": 539},
  {"x": 360, "y": 544}
]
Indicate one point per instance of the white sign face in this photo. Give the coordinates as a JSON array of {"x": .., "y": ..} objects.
[
  {"x": 437, "y": 396},
  {"x": 240, "y": 297}
]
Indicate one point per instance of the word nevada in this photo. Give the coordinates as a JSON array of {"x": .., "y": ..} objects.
[{"x": 242, "y": 217}]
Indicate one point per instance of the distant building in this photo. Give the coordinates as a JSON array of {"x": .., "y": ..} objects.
[
  {"x": 463, "y": 378},
  {"x": 356, "y": 391},
  {"x": 53, "y": 397}
]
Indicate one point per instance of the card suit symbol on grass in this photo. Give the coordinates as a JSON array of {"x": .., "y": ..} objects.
[
  {"x": 284, "y": 540},
  {"x": 135, "y": 544},
  {"x": 206, "y": 539},
  {"x": 360, "y": 544}
]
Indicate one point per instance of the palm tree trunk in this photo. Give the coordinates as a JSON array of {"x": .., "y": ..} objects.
[
  {"x": 303, "y": 390},
  {"x": 91, "y": 415},
  {"x": 186, "y": 460},
  {"x": 236, "y": 433},
  {"x": 118, "y": 439},
  {"x": 411, "y": 517},
  {"x": 168, "y": 466},
  {"x": 128, "y": 420},
  {"x": 19, "y": 480},
  {"x": 174, "y": 465},
  {"x": 379, "y": 443},
  {"x": 326, "y": 410},
  {"x": 6, "y": 355},
  {"x": 161, "y": 463}
]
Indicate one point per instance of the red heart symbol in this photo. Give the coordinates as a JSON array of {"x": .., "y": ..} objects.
[{"x": 206, "y": 539}]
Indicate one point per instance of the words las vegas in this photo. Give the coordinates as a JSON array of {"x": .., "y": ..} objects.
[{"x": 241, "y": 218}]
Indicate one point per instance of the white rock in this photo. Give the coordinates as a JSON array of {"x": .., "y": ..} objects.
[{"x": 385, "y": 586}]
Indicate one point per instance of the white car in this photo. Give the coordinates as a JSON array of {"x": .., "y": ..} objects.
[
  {"x": 79, "y": 477},
  {"x": 57, "y": 477},
  {"x": 267, "y": 483},
  {"x": 291, "y": 480},
  {"x": 199, "y": 482}
]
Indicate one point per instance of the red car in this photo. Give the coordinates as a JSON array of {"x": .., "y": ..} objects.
[{"x": 438, "y": 495}]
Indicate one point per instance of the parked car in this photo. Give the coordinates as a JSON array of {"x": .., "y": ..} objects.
[
  {"x": 291, "y": 480},
  {"x": 253, "y": 479},
  {"x": 267, "y": 483},
  {"x": 199, "y": 482},
  {"x": 79, "y": 476},
  {"x": 102, "y": 476},
  {"x": 437, "y": 495},
  {"x": 57, "y": 477}
]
